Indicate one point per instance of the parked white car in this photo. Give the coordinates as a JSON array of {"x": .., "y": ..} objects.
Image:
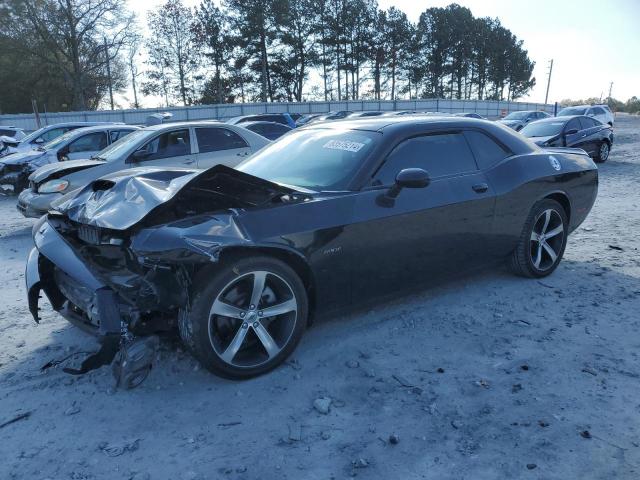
[
  {"x": 600, "y": 112},
  {"x": 41, "y": 136},
  {"x": 9, "y": 135},
  {"x": 197, "y": 145},
  {"x": 77, "y": 144}
]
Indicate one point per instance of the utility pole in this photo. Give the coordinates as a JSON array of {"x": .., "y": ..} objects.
[
  {"x": 610, "y": 88},
  {"x": 546, "y": 97},
  {"x": 106, "y": 53}
]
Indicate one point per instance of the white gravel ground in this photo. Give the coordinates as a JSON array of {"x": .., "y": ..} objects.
[{"x": 491, "y": 377}]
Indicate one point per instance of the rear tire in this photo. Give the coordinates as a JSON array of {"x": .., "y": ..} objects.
[
  {"x": 229, "y": 329},
  {"x": 542, "y": 241},
  {"x": 603, "y": 152}
]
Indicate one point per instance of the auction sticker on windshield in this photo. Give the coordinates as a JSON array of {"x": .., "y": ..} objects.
[{"x": 343, "y": 145}]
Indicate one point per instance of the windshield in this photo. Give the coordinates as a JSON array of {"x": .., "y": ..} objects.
[
  {"x": 57, "y": 142},
  {"x": 123, "y": 144},
  {"x": 542, "y": 129},
  {"x": 33, "y": 135},
  {"x": 572, "y": 111},
  {"x": 516, "y": 116},
  {"x": 315, "y": 159}
]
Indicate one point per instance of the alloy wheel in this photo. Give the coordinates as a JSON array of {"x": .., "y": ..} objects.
[
  {"x": 547, "y": 237},
  {"x": 252, "y": 319},
  {"x": 604, "y": 151}
]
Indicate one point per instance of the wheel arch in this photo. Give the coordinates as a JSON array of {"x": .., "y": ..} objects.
[{"x": 563, "y": 199}]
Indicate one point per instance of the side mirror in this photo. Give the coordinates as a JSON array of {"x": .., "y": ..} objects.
[
  {"x": 571, "y": 132},
  {"x": 62, "y": 155},
  {"x": 406, "y": 178},
  {"x": 39, "y": 140}
]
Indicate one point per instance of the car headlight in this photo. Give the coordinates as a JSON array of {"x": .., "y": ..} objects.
[{"x": 53, "y": 186}]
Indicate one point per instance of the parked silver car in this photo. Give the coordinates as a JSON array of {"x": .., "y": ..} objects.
[
  {"x": 517, "y": 120},
  {"x": 191, "y": 144},
  {"x": 42, "y": 136},
  {"x": 77, "y": 144}
]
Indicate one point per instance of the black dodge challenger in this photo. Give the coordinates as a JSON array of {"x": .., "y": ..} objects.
[{"x": 328, "y": 217}]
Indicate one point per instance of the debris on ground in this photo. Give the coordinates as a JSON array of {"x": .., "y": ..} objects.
[
  {"x": 322, "y": 405},
  {"x": 117, "y": 449},
  {"x": 20, "y": 416}
]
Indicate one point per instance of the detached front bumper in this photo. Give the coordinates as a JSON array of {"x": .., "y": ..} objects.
[
  {"x": 34, "y": 205},
  {"x": 52, "y": 259}
]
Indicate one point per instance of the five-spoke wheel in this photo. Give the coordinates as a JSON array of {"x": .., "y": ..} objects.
[
  {"x": 547, "y": 238},
  {"x": 247, "y": 318},
  {"x": 543, "y": 240},
  {"x": 603, "y": 152}
]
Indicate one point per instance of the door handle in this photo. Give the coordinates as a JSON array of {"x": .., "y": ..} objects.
[
  {"x": 480, "y": 187},
  {"x": 189, "y": 162}
]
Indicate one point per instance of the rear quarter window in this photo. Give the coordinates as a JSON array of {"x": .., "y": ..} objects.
[{"x": 487, "y": 151}]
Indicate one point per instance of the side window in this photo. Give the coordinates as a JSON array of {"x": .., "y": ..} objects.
[
  {"x": 440, "y": 155},
  {"x": 486, "y": 150},
  {"x": 572, "y": 124},
  {"x": 54, "y": 133},
  {"x": 587, "y": 122},
  {"x": 259, "y": 129},
  {"x": 278, "y": 129},
  {"x": 88, "y": 143},
  {"x": 118, "y": 134},
  {"x": 8, "y": 133},
  {"x": 598, "y": 111},
  {"x": 169, "y": 144},
  {"x": 216, "y": 139}
]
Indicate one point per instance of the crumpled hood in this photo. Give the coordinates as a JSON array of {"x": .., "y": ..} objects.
[
  {"x": 123, "y": 199},
  {"x": 23, "y": 158},
  {"x": 60, "y": 169}
]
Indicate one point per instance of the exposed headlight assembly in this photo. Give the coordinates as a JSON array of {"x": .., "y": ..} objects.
[{"x": 53, "y": 186}]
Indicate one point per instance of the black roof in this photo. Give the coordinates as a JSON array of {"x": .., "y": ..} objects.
[{"x": 378, "y": 124}]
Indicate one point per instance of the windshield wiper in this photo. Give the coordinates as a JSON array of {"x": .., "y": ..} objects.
[{"x": 96, "y": 157}]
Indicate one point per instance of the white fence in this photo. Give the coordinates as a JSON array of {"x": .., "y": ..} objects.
[{"x": 487, "y": 108}]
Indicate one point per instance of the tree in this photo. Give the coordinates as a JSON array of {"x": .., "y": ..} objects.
[
  {"x": 211, "y": 30},
  {"x": 254, "y": 25},
  {"x": 68, "y": 36},
  {"x": 397, "y": 33},
  {"x": 174, "y": 50},
  {"x": 132, "y": 52}
]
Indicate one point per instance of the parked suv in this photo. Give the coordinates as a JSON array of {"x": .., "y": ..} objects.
[
  {"x": 185, "y": 144},
  {"x": 42, "y": 136},
  {"x": 599, "y": 112},
  {"x": 77, "y": 144}
]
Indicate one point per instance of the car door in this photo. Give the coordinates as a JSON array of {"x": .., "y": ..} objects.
[
  {"x": 219, "y": 145},
  {"x": 426, "y": 233},
  {"x": 573, "y": 134},
  {"x": 589, "y": 134},
  {"x": 84, "y": 147},
  {"x": 172, "y": 148}
]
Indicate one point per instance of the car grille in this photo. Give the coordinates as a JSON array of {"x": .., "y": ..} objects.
[{"x": 89, "y": 234}]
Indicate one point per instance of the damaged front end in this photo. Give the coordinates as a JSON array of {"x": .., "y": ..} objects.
[
  {"x": 119, "y": 258},
  {"x": 14, "y": 177}
]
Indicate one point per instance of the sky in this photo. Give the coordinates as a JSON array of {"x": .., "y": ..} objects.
[{"x": 592, "y": 42}]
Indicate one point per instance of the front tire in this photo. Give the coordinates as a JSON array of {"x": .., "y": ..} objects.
[
  {"x": 603, "y": 152},
  {"x": 542, "y": 241},
  {"x": 247, "y": 318}
]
